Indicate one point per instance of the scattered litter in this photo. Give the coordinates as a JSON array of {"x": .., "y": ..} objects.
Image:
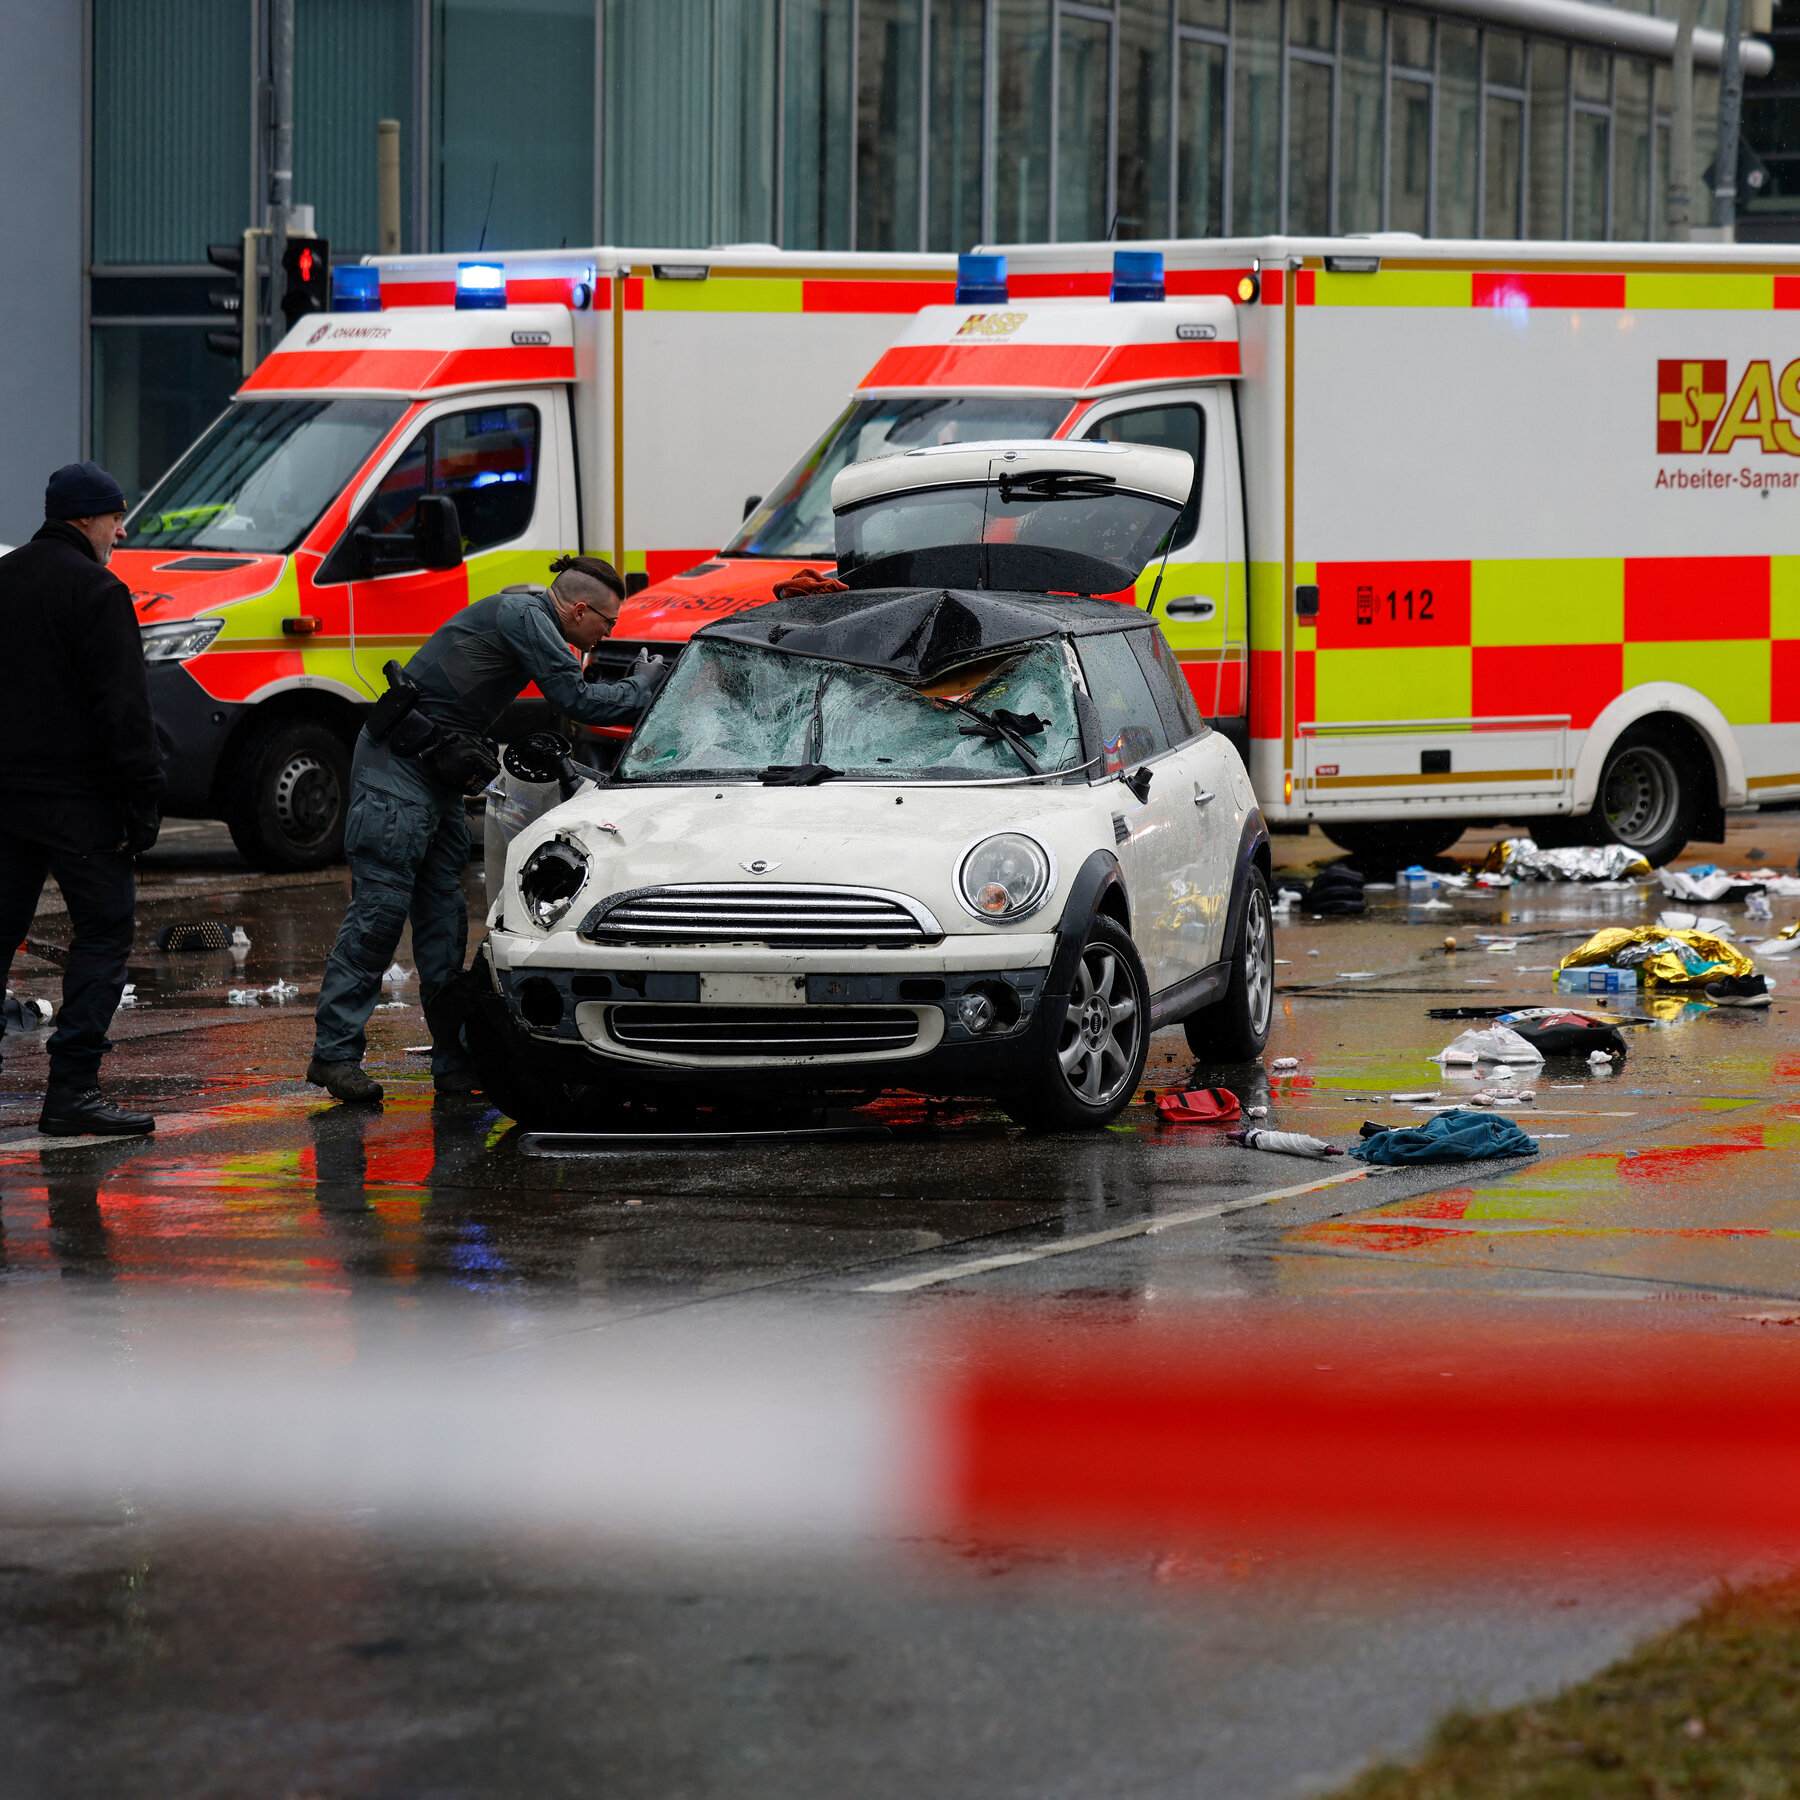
[
  {"x": 1282, "y": 962},
  {"x": 1256, "y": 1112},
  {"x": 1285, "y": 1062},
  {"x": 1599, "y": 978},
  {"x": 1557, "y": 1033},
  {"x": 1412, "y": 1099},
  {"x": 244, "y": 997},
  {"x": 1503, "y": 1073},
  {"x": 1199, "y": 1106},
  {"x": 1312, "y": 953},
  {"x": 1286, "y": 897},
  {"x": 1448, "y": 1137},
  {"x": 25, "y": 1014},
  {"x": 1707, "y": 882},
  {"x": 240, "y": 938},
  {"x": 1756, "y": 906},
  {"x": 1519, "y": 859},
  {"x": 282, "y": 990},
  {"x": 1356, "y": 974},
  {"x": 1488, "y": 1097},
  {"x": 1498, "y": 1043},
  {"x": 128, "y": 994},
  {"x": 1667, "y": 958},
  {"x": 397, "y": 975},
  {"x": 195, "y": 934},
  {"x": 1671, "y": 920},
  {"x": 1598, "y": 1059},
  {"x": 390, "y": 1006},
  {"x": 1284, "y": 1143},
  {"x": 1435, "y": 906},
  {"x": 1502, "y": 946},
  {"x": 1449, "y": 945}
]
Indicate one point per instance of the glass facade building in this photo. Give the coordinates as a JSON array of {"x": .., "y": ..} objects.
[{"x": 838, "y": 124}]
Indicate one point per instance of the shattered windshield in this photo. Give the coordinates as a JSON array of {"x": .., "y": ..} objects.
[
  {"x": 261, "y": 475},
  {"x": 731, "y": 711},
  {"x": 795, "y": 520}
]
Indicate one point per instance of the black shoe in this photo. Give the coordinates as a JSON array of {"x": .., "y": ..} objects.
[
  {"x": 344, "y": 1080},
  {"x": 1739, "y": 990},
  {"x": 85, "y": 1112},
  {"x": 456, "y": 1087}
]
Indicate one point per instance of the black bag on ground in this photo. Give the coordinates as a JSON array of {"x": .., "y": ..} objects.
[
  {"x": 1337, "y": 888},
  {"x": 1568, "y": 1034}
]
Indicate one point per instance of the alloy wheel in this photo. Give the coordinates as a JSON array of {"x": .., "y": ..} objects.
[
  {"x": 1100, "y": 1035},
  {"x": 1259, "y": 960},
  {"x": 1641, "y": 796}
]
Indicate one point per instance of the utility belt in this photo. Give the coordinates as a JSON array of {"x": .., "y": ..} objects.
[{"x": 457, "y": 759}]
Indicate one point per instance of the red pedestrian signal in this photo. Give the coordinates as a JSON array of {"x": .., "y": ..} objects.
[{"x": 306, "y": 278}]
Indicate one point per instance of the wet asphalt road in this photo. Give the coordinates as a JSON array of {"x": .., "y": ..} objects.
[{"x": 346, "y": 1651}]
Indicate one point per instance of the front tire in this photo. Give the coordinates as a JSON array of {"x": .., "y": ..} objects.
[
  {"x": 1096, "y": 1058},
  {"x": 1236, "y": 1028},
  {"x": 288, "y": 798}
]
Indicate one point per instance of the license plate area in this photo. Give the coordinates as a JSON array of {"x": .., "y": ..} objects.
[{"x": 752, "y": 990}]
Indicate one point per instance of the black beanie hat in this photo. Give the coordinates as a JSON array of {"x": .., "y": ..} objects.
[{"x": 82, "y": 491}]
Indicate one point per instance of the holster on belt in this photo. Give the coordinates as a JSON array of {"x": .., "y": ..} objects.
[{"x": 457, "y": 759}]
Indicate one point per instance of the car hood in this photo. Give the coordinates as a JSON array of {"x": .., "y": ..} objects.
[
  {"x": 906, "y": 839},
  {"x": 170, "y": 585}
]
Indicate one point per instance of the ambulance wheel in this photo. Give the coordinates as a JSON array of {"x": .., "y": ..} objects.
[
  {"x": 1394, "y": 843},
  {"x": 1648, "y": 796},
  {"x": 288, "y": 798}
]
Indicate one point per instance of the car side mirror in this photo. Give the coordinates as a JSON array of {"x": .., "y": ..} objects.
[
  {"x": 751, "y": 503},
  {"x": 437, "y": 532}
]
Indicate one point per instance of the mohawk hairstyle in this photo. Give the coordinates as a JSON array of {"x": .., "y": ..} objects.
[{"x": 595, "y": 568}]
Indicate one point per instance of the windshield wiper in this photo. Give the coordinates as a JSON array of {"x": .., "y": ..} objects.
[
  {"x": 811, "y": 772},
  {"x": 1003, "y": 727}
]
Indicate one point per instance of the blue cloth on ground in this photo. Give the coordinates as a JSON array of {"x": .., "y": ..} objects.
[{"x": 1447, "y": 1137}]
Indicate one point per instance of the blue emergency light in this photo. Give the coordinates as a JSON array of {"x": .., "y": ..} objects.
[
  {"x": 980, "y": 279},
  {"x": 355, "y": 288},
  {"x": 480, "y": 287},
  {"x": 1137, "y": 275}
]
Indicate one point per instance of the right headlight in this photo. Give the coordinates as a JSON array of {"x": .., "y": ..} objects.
[
  {"x": 179, "y": 639},
  {"x": 550, "y": 878},
  {"x": 1005, "y": 877}
]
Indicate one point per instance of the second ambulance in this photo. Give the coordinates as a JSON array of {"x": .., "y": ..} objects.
[{"x": 1480, "y": 531}]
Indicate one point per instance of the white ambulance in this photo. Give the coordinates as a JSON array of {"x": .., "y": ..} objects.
[
  {"x": 449, "y": 428},
  {"x": 1482, "y": 530}
]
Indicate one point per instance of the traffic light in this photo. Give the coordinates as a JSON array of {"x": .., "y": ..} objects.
[
  {"x": 230, "y": 258},
  {"x": 305, "y": 278}
]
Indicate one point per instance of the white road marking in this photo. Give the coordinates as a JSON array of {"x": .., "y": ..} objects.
[{"x": 906, "y": 1284}]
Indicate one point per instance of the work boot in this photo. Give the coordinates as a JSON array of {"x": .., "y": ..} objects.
[
  {"x": 86, "y": 1112},
  {"x": 344, "y": 1080},
  {"x": 1739, "y": 990}
]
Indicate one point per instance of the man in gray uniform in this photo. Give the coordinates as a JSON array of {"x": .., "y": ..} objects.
[{"x": 425, "y": 747}]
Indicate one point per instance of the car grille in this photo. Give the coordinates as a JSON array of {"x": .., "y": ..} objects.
[
  {"x": 762, "y": 913},
  {"x": 763, "y": 1030}
]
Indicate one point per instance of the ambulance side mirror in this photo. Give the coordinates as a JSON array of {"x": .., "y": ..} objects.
[{"x": 437, "y": 531}]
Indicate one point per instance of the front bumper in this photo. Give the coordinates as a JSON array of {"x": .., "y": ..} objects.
[{"x": 593, "y": 1025}]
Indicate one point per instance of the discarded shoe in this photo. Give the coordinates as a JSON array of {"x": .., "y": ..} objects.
[
  {"x": 86, "y": 1112},
  {"x": 344, "y": 1080},
  {"x": 1739, "y": 990}
]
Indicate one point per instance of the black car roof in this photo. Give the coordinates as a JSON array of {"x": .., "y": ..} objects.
[{"x": 917, "y": 633}]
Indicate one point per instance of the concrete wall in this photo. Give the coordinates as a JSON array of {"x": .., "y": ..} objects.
[{"x": 42, "y": 179}]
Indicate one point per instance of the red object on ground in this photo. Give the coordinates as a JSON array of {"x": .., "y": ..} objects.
[{"x": 1199, "y": 1106}]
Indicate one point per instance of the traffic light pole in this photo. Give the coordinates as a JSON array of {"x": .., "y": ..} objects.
[
  {"x": 1731, "y": 105},
  {"x": 281, "y": 169}
]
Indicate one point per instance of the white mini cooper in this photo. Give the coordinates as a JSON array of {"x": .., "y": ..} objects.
[{"x": 958, "y": 829}]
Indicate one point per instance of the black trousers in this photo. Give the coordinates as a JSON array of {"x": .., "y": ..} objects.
[{"x": 75, "y": 839}]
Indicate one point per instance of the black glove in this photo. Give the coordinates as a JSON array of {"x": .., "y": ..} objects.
[
  {"x": 651, "y": 669},
  {"x": 143, "y": 820}
]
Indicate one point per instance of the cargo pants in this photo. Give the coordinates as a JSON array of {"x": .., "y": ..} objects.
[{"x": 407, "y": 840}]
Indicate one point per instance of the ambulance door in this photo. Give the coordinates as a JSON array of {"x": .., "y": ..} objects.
[
  {"x": 504, "y": 460},
  {"x": 1200, "y": 606}
]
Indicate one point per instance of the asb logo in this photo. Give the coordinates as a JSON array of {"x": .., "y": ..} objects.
[{"x": 1689, "y": 398}]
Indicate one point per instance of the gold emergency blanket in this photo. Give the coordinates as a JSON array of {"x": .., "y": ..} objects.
[{"x": 1665, "y": 958}]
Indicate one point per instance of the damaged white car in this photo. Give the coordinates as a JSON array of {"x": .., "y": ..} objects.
[{"x": 959, "y": 830}]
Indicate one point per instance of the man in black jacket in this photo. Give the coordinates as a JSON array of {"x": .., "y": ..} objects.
[{"x": 81, "y": 774}]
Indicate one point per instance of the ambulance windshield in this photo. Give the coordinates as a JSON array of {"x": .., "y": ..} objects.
[
  {"x": 261, "y": 475},
  {"x": 795, "y": 520}
]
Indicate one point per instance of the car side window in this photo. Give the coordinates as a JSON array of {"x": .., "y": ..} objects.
[
  {"x": 1168, "y": 685},
  {"x": 1173, "y": 428},
  {"x": 1131, "y": 727},
  {"x": 485, "y": 459}
]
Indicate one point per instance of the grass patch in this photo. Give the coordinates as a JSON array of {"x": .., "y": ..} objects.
[{"x": 1710, "y": 1709}]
